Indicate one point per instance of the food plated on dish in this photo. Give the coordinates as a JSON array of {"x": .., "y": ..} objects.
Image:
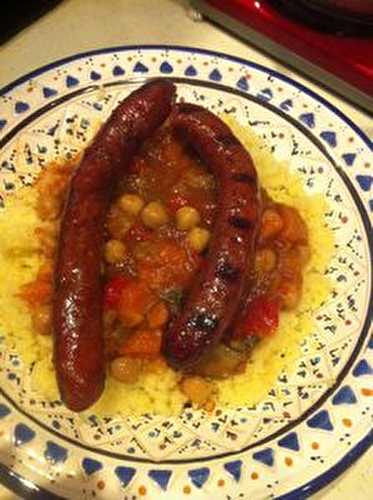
[
  {"x": 175, "y": 251},
  {"x": 271, "y": 411}
]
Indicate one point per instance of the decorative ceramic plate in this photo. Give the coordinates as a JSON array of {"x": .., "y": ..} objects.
[{"x": 317, "y": 420}]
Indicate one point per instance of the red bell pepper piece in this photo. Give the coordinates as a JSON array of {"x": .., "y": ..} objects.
[
  {"x": 113, "y": 291},
  {"x": 261, "y": 319}
]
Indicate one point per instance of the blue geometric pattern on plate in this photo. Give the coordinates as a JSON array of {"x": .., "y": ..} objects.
[
  {"x": 118, "y": 71},
  {"x": 199, "y": 476},
  {"x": 265, "y": 456},
  {"x": 125, "y": 475},
  {"x": 49, "y": 92},
  {"x": 215, "y": 75},
  {"x": 362, "y": 368},
  {"x": 55, "y": 453},
  {"x": 71, "y": 81},
  {"x": 234, "y": 468},
  {"x": 319, "y": 142},
  {"x": 4, "y": 411},
  {"x": 166, "y": 68},
  {"x": 243, "y": 84},
  {"x": 345, "y": 395},
  {"x": 91, "y": 466},
  {"x": 290, "y": 441},
  {"x": 161, "y": 477},
  {"x": 23, "y": 434},
  {"x": 321, "y": 421},
  {"x": 190, "y": 71},
  {"x": 21, "y": 107}
]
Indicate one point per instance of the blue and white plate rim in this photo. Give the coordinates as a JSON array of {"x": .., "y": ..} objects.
[{"x": 21, "y": 485}]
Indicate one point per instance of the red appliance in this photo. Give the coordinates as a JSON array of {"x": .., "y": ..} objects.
[{"x": 341, "y": 61}]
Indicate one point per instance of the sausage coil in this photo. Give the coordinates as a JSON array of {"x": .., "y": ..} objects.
[
  {"x": 216, "y": 293},
  {"x": 77, "y": 310}
]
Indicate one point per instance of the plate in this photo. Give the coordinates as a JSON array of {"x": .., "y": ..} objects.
[{"x": 317, "y": 420}]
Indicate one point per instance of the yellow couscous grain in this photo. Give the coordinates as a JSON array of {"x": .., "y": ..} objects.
[{"x": 20, "y": 253}]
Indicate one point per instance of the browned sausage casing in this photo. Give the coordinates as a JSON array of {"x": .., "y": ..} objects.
[
  {"x": 215, "y": 295},
  {"x": 77, "y": 311}
]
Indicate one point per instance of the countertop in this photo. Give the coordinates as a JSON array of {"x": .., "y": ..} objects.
[{"x": 81, "y": 25}]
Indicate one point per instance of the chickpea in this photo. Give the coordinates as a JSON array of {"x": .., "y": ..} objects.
[
  {"x": 126, "y": 369},
  {"x": 131, "y": 204},
  {"x": 209, "y": 405},
  {"x": 154, "y": 215},
  {"x": 115, "y": 251},
  {"x": 265, "y": 260},
  {"x": 118, "y": 224},
  {"x": 290, "y": 293},
  {"x": 290, "y": 285},
  {"x": 197, "y": 390},
  {"x": 304, "y": 253},
  {"x": 42, "y": 319},
  {"x": 271, "y": 224},
  {"x": 294, "y": 229},
  {"x": 187, "y": 218},
  {"x": 198, "y": 238},
  {"x": 157, "y": 365},
  {"x": 158, "y": 316}
]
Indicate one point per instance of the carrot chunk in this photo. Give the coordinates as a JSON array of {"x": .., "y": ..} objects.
[
  {"x": 145, "y": 344},
  {"x": 135, "y": 300}
]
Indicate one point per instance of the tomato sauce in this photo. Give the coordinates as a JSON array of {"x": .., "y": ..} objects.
[{"x": 157, "y": 234}]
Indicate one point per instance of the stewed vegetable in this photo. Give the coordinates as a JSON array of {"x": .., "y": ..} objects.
[{"x": 158, "y": 231}]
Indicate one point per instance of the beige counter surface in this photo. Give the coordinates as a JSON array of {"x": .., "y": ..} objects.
[{"x": 81, "y": 25}]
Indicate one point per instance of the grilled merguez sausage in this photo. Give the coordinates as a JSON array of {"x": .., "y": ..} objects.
[
  {"x": 215, "y": 295},
  {"x": 77, "y": 310}
]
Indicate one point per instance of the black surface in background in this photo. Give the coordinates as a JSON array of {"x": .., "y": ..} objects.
[{"x": 16, "y": 15}]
